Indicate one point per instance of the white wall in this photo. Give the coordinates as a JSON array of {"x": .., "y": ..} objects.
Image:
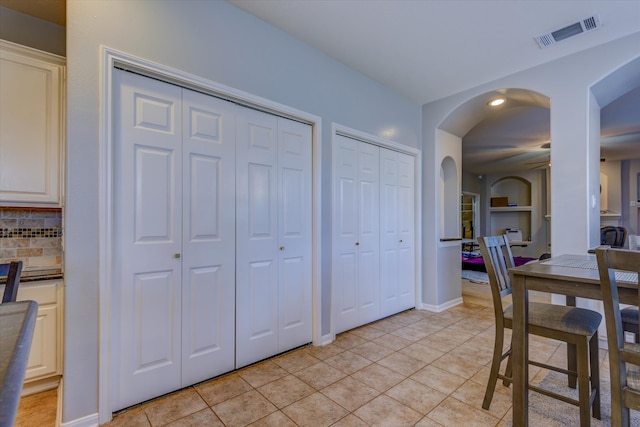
[
  {"x": 33, "y": 32},
  {"x": 575, "y": 142},
  {"x": 219, "y": 42}
]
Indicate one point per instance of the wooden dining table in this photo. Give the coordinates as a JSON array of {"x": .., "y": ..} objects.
[{"x": 569, "y": 275}]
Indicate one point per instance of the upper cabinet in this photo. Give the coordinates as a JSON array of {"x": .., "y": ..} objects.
[{"x": 31, "y": 126}]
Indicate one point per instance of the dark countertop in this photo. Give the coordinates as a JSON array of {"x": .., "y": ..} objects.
[
  {"x": 29, "y": 275},
  {"x": 17, "y": 322}
]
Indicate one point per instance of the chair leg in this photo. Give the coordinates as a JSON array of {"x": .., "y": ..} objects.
[
  {"x": 584, "y": 389},
  {"x": 495, "y": 368},
  {"x": 508, "y": 372},
  {"x": 571, "y": 364},
  {"x": 594, "y": 359}
]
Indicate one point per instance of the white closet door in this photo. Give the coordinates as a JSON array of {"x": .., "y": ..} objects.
[
  {"x": 148, "y": 234},
  {"x": 369, "y": 233},
  {"x": 389, "y": 232},
  {"x": 257, "y": 251},
  {"x": 406, "y": 228},
  {"x": 356, "y": 234},
  {"x": 397, "y": 256},
  {"x": 208, "y": 255},
  {"x": 345, "y": 234},
  {"x": 294, "y": 231}
]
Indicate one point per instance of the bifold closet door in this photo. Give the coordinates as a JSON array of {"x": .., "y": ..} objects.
[
  {"x": 397, "y": 252},
  {"x": 174, "y": 169},
  {"x": 273, "y": 236},
  {"x": 356, "y": 233}
]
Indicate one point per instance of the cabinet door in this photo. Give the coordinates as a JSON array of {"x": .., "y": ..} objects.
[
  {"x": 30, "y": 135},
  {"x": 43, "y": 355}
]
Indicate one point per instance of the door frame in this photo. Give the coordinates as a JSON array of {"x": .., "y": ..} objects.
[
  {"x": 109, "y": 60},
  {"x": 338, "y": 129}
]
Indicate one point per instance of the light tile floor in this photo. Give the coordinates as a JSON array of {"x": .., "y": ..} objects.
[{"x": 413, "y": 369}]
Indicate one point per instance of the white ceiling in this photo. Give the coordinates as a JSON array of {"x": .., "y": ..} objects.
[{"x": 430, "y": 49}]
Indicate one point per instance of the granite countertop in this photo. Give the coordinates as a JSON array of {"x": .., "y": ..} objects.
[{"x": 35, "y": 274}]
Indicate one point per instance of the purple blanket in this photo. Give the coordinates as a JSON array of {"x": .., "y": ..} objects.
[{"x": 477, "y": 263}]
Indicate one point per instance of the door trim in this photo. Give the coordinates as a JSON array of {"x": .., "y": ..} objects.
[
  {"x": 109, "y": 60},
  {"x": 338, "y": 129}
]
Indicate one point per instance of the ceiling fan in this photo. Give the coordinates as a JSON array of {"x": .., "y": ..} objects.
[{"x": 541, "y": 163}]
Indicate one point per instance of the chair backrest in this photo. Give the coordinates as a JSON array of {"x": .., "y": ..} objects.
[
  {"x": 13, "y": 280},
  {"x": 498, "y": 259},
  {"x": 610, "y": 260},
  {"x": 613, "y": 236}
]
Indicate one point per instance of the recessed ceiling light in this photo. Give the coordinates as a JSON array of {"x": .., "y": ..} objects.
[{"x": 496, "y": 102}]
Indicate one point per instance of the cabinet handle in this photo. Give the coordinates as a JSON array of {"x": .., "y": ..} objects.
[
  {"x": 282, "y": 248},
  {"x": 357, "y": 243},
  {"x": 176, "y": 256}
]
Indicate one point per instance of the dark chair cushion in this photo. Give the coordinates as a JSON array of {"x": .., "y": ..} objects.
[{"x": 573, "y": 320}]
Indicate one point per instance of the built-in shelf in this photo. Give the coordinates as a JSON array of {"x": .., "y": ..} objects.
[{"x": 512, "y": 209}]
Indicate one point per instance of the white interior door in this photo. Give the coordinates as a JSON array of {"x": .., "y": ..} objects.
[
  {"x": 208, "y": 248},
  {"x": 148, "y": 235},
  {"x": 356, "y": 234},
  {"x": 256, "y": 237},
  {"x": 294, "y": 234},
  {"x": 407, "y": 233}
]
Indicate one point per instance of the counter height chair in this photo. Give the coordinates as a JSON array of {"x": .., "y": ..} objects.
[
  {"x": 14, "y": 269},
  {"x": 624, "y": 357},
  {"x": 576, "y": 326}
]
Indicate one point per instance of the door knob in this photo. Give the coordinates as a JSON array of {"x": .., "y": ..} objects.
[
  {"x": 400, "y": 240},
  {"x": 282, "y": 248},
  {"x": 357, "y": 243},
  {"x": 176, "y": 256}
]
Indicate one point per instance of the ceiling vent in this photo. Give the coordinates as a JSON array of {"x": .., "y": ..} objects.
[{"x": 588, "y": 24}]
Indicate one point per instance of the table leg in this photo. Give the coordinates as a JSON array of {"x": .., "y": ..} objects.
[
  {"x": 572, "y": 355},
  {"x": 520, "y": 352}
]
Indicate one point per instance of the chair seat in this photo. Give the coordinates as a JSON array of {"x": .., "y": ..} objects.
[
  {"x": 629, "y": 315},
  {"x": 573, "y": 320}
]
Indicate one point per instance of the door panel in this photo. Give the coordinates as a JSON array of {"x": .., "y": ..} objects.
[
  {"x": 294, "y": 229},
  {"x": 389, "y": 233},
  {"x": 256, "y": 237},
  {"x": 148, "y": 218},
  {"x": 208, "y": 252},
  {"x": 406, "y": 229}
]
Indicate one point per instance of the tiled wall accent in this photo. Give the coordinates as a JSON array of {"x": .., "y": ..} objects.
[{"x": 33, "y": 236}]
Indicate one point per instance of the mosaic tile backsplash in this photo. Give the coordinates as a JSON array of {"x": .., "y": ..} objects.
[{"x": 33, "y": 236}]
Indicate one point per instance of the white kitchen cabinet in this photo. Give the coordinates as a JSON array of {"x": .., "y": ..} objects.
[
  {"x": 32, "y": 126},
  {"x": 45, "y": 357}
]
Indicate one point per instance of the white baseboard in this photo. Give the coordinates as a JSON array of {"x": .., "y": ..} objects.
[
  {"x": 88, "y": 421},
  {"x": 442, "y": 307},
  {"x": 327, "y": 339},
  {"x": 40, "y": 385}
]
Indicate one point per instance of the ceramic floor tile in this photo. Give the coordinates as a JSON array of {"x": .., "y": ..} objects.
[
  {"x": 221, "y": 389},
  {"x": 378, "y": 377},
  {"x": 244, "y": 409},
  {"x": 133, "y": 417},
  {"x": 324, "y": 352},
  {"x": 420, "y": 352},
  {"x": 320, "y": 375},
  {"x": 206, "y": 417},
  {"x": 457, "y": 365},
  {"x": 350, "y": 393},
  {"x": 348, "y": 340},
  {"x": 440, "y": 380},
  {"x": 286, "y": 390},
  {"x": 173, "y": 406},
  {"x": 472, "y": 394},
  {"x": 316, "y": 410},
  {"x": 296, "y": 360},
  {"x": 402, "y": 364},
  {"x": 262, "y": 373},
  {"x": 348, "y": 362},
  {"x": 411, "y": 334},
  {"x": 393, "y": 342},
  {"x": 350, "y": 421},
  {"x": 372, "y": 351},
  {"x": 416, "y": 396},
  {"x": 275, "y": 419},
  {"x": 387, "y": 325},
  {"x": 368, "y": 332},
  {"x": 385, "y": 411},
  {"x": 452, "y": 412}
]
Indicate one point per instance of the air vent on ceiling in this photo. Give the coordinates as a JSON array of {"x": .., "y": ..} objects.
[{"x": 588, "y": 24}]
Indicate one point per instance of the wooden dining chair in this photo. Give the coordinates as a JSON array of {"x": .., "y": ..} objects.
[
  {"x": 624, "y": 357},
  {"x": 574, "y": 326},
  {"x": 14, "y": 269}
]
